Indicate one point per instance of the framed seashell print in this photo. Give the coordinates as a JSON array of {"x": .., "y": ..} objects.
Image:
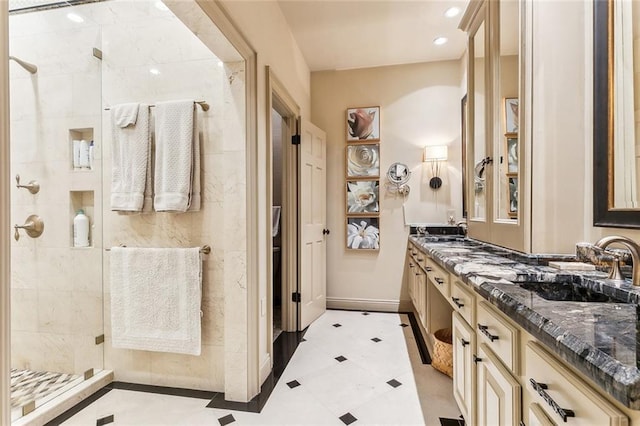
[
  {"x": 363, "y": 161},
  {"x": 363, "y": 233},
  {"x": 363, "y": 124}
]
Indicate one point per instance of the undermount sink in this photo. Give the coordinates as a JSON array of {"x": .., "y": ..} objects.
[{"x": 566, "y": 292}]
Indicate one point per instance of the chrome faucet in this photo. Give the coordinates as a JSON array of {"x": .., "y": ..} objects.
[{"x": 633, "y": 247}]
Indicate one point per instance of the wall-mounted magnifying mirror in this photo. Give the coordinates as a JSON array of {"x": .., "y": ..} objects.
[{"x": 398, "y": 176}]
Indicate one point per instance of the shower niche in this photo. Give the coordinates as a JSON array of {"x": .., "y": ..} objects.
[
  {"x": 82, "y": 200},
  {"x": 81, "y": 149}
]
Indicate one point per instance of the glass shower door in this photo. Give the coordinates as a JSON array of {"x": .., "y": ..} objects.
[{"x": 56, "y": 287}]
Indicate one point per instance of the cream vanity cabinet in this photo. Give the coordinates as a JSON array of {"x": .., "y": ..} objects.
[
  {"x": 428, "y": 286},
  {"x": 464, "y": 367},
  {"x": 485, "y": 385}
]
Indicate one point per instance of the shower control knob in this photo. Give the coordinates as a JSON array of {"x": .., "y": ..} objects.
[{"x": 33, "y": 186}]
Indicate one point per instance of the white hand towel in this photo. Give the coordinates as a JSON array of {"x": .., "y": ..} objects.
[
  {"x": 177, "y": 152},
  {"x": 156, "y": 296},
  {"x": 130, "y": 156}
]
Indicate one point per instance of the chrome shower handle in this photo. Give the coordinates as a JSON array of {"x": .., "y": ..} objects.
[
  {"x": 33, "y": 186},
  {"x": 33, "y": 225}
]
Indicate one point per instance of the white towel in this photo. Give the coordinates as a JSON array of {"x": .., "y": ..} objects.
[
  {"x": 177, "y": 157},
  {"x": 130, "y": 156},
  {"x": 156, "y": 296}
]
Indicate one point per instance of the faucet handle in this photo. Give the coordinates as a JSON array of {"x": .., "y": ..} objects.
[{"x": 616, "y": 273}]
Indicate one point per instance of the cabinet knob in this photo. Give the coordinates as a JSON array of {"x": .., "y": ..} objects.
[
  {"x": 476, "y": 359},
  {"x": 439, "y": 280},
  {"x": 326, "y": 232},
  {"x": 464, "y": 342},
  {"x": 541, "y": 388},
  {"x": 428, "y": 269}
]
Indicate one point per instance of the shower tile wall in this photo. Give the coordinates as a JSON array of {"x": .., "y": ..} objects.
[
  {"x": 56, "y": 289},
  {"x": 136, "y": 40}
]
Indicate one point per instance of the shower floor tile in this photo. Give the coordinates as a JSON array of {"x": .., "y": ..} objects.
[{"x": 27, "y": 386}]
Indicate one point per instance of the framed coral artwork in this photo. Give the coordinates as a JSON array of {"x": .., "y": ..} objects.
[
  {"x": 363, "y": 233},
  {"x": 363, "y": 124}
]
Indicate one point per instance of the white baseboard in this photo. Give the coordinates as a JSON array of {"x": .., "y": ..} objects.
[
  {"x": 368, "y": 304},
  {"x": 265, "y": 369}
]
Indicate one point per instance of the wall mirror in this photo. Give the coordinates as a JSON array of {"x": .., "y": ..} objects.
[
  {"x": 398, "y": 176},
  {"x": 616, "y": 156}
]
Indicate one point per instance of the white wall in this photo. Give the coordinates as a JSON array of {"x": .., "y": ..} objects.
[{"x": 419, "y": 105}]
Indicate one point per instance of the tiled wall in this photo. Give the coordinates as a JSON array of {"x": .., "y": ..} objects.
[
  {"x": 56, "y": 289},
  {"x": 134, "y": 37},
  {"x": 137, "y": 40}
]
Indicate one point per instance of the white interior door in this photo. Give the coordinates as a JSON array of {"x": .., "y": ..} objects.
[{"x": 312, "y": 214}]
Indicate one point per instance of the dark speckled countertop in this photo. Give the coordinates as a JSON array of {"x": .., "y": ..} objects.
[{"x": 600, "y": 339}]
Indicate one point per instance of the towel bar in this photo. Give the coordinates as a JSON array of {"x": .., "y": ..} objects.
[
  {"x": 203, "y": 104},
  {"x": 205, "y": 249}
]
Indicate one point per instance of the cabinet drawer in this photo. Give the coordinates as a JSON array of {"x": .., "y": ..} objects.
[
  {"x": 463, "y": 301},
  {"x": 499, "y": 334},
  {"x": 438, "y": 277},
  {"x": 563, "y": 396}
]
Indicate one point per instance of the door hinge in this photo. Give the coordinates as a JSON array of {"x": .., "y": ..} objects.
[
  {"x": 295, "y": 140},
  {"x": 295, "y": 297}
]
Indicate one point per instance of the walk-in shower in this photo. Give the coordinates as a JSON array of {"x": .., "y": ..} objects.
[{"x": 24, "y": 64}]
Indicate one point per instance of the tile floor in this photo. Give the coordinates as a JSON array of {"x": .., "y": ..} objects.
[{"x": 351, "y": 368}]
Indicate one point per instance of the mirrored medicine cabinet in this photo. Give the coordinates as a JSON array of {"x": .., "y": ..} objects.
[{"x": 495, "y": 122}]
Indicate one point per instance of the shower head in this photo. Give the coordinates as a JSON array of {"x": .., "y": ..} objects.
[{"x": 26, "y": 65}]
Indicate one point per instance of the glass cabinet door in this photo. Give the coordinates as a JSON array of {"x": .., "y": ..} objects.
[{"x": 478, "y": 190}]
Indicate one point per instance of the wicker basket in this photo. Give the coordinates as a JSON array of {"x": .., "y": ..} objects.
[{"x": 442, "y": 359}]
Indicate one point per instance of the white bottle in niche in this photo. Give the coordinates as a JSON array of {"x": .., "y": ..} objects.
[
  {"x": 80, "y": 229},
  {"x": 85, "y": 163}
]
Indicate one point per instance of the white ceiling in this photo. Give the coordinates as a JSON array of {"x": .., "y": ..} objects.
[{"x": 345, "y": 34}]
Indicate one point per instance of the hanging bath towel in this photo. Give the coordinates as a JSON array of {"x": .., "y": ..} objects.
[
  {"x": 177, "y": 157},
  {"x": 156, "y": 296},
  {"x": 131, "y": 159}
]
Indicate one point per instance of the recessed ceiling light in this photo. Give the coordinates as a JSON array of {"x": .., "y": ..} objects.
[
  {"x": 161, "y": 6},
  {"x": 154, "y": 71},
  {"x": 451, "y": 12},
  {"x": 440, "y": 41},
  {"x": 75, "y": 17}
]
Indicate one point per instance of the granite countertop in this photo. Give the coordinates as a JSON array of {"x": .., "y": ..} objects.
[{"x": 599, "y": 338}]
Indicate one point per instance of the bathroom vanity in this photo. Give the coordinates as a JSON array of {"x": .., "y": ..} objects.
[{"x": 532, "y": 344}]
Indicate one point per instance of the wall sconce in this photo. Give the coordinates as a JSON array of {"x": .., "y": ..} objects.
[{"x": 435, "y": 155}]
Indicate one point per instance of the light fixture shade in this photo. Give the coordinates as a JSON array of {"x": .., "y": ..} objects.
[{"x": 435, "y": 153}]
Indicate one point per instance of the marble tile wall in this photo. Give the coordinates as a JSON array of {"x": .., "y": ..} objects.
[
  {"x": 56, "y": 289},
  {"x": 187, "y": 70}
]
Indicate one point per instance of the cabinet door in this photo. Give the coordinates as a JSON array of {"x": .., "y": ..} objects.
[
  {"x": 464, "y": 369},
  {"x": 411, "y": 274},
  {"x": 537, "y": 417},
  {"x": 421, "y": 284},
  {"x": 499, "y": 393}
]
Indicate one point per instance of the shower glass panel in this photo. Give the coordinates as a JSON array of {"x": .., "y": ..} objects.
[{"x": 56, "y": 287}]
